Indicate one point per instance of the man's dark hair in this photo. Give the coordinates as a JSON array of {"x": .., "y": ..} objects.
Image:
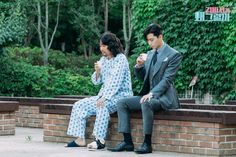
[
  {"x": 152, "y": 28},
  {"x": 113, "y": 43}
]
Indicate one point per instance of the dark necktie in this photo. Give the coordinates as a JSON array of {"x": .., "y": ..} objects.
[{"x": 154, "y": 58}]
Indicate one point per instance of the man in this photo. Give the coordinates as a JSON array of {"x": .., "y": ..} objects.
[{"x": 158, "y": 71}]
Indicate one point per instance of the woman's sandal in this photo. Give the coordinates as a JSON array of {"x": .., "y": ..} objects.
[
  {"x": 73, "y": 144},
  {"x": 97, "y": 144}
]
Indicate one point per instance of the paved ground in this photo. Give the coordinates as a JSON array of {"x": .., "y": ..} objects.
[{"x": 28, "y": 142}]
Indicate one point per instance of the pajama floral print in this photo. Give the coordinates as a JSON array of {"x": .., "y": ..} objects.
[{"x": 116, "y": 83}]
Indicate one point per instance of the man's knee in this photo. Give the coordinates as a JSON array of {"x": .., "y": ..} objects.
[
  {"x": 146, "y": 105},
  {"x": 121, "y": 103},
  {"x": 153, "y": 104}
]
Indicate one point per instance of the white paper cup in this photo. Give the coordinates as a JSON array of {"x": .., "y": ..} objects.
[{"x": 143, "y": 56}]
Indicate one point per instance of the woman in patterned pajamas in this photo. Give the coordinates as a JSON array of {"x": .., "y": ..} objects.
[{"x": 112, "y": 71}]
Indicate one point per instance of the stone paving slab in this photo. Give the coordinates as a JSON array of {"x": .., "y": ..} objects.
[{"x": 28, "y": 142}]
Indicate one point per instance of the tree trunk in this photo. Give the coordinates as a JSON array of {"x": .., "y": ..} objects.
[
  {"x": 45, "y": 58},
  {"x": 31, "y": 31},
  {"x": 63, "y": 46},
  {"x": 105, "y": 2},
  {"x": 90, "y": 50},
  {"x": 84, "y": 48},
  {"x": 44, "y": 43},
  {"x": 127, "y": 22}
]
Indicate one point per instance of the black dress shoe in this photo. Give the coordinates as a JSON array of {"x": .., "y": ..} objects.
[
  {"x": 122, "y": 147},
  {"x": 144, "y": 149}
]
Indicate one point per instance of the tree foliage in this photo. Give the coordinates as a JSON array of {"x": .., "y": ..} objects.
[
  {"x": 12, "y": 22},
  {"x": 87, "y": 23},
  {"x": 144, "y": 13}
]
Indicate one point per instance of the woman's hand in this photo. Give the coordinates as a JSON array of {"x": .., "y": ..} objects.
[
  {"x": 97, "y": 67},
  {"x": 100, "y": 102}
]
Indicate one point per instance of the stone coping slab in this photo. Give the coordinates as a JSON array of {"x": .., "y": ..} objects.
[
  {"x": 8, "y": 106},
  {"x": 212, "y": 116}
]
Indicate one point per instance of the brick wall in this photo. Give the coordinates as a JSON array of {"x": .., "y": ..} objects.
[
  {"x": 7, "y": 123},
  {"x": 29, "y": 116},
  {"x": 168, "y": 135}
]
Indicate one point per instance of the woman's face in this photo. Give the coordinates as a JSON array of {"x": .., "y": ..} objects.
[{"x": 105, "y": 51}]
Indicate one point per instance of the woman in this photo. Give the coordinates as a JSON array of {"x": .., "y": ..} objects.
[{"x": 112, "y": 71}]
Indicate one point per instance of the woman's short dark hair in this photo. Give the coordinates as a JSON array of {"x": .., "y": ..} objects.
[
  {"x": 113, "y": 43},
  {"x": 152, "y": 28}
]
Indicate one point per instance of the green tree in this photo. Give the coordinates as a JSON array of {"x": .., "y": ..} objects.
[
  {"x": 87, "y": 23},
  {"x": 12, "y": 22}
]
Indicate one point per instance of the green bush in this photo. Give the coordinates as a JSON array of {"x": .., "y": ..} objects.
[
  {"x": 63, "y": 82},
  {"x": 21, "y": 79},
  {"x": 18, "y": 78},
  {"x": 57, "y": 59}
]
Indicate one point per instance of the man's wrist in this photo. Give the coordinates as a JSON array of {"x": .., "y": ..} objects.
[{"x": 138, "y": 65}]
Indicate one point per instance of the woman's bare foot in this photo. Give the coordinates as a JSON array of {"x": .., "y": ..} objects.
[{"x": 81, "y": 142}]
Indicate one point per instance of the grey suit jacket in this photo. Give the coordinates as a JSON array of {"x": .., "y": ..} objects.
[{"x": 165, "y": 69}]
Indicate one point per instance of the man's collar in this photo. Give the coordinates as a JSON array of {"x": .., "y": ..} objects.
[{"x": 161, "y": 48}]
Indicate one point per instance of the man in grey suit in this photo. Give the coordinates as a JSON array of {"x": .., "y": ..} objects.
[{"x": 157, "y": 70}]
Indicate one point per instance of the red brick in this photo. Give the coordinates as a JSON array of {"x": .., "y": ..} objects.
[
  {"x": 234, "y": 131},
  {"x": 163, "y": 122},
  {"x": 214, "y": 152},
  {"x": 9, "y": 127},
  {"x": 179, "y": 129},
  {"x": 206, "y": 144},
  {"x": 165, "y": 141},
  {"x": 216, "y": 145},
  {"x": 186, "y": 149},
  {"x": 226, "y": 145},
  {"x": 185, "y": 136},
  {"x": 205, "y": 138},
  {"x": 48, "y": 121},
  {"x": 173, "y": 148},
  {"x": 47, "y": 133},
  {"x": 199, "y": 150},
  {"x": 231, "y": 138},
  {"x": 204, "y": 125},
  {"x": 192, "y": 143},
  {"x": 60, "y": 121},
  {"x": 186, "y": 123},
  {"x": 161, "y": 147},
  {"x": 225, "y": 132},
  {"x": 178, "y": 142}
]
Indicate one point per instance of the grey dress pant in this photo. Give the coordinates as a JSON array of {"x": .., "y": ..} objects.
[{"x": 125, "y": 105}]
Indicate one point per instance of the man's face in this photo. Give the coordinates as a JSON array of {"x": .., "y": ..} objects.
[{"x": 154, "y": 41}]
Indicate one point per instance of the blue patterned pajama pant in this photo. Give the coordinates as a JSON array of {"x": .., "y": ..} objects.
[{"x": 85, "y": 108}]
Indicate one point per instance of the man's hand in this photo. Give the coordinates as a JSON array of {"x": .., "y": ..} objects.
[
  {"x": 146, "y": 97},
  {"x": 141, "y": 59},
  {"x": 100, "y": 102}
]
